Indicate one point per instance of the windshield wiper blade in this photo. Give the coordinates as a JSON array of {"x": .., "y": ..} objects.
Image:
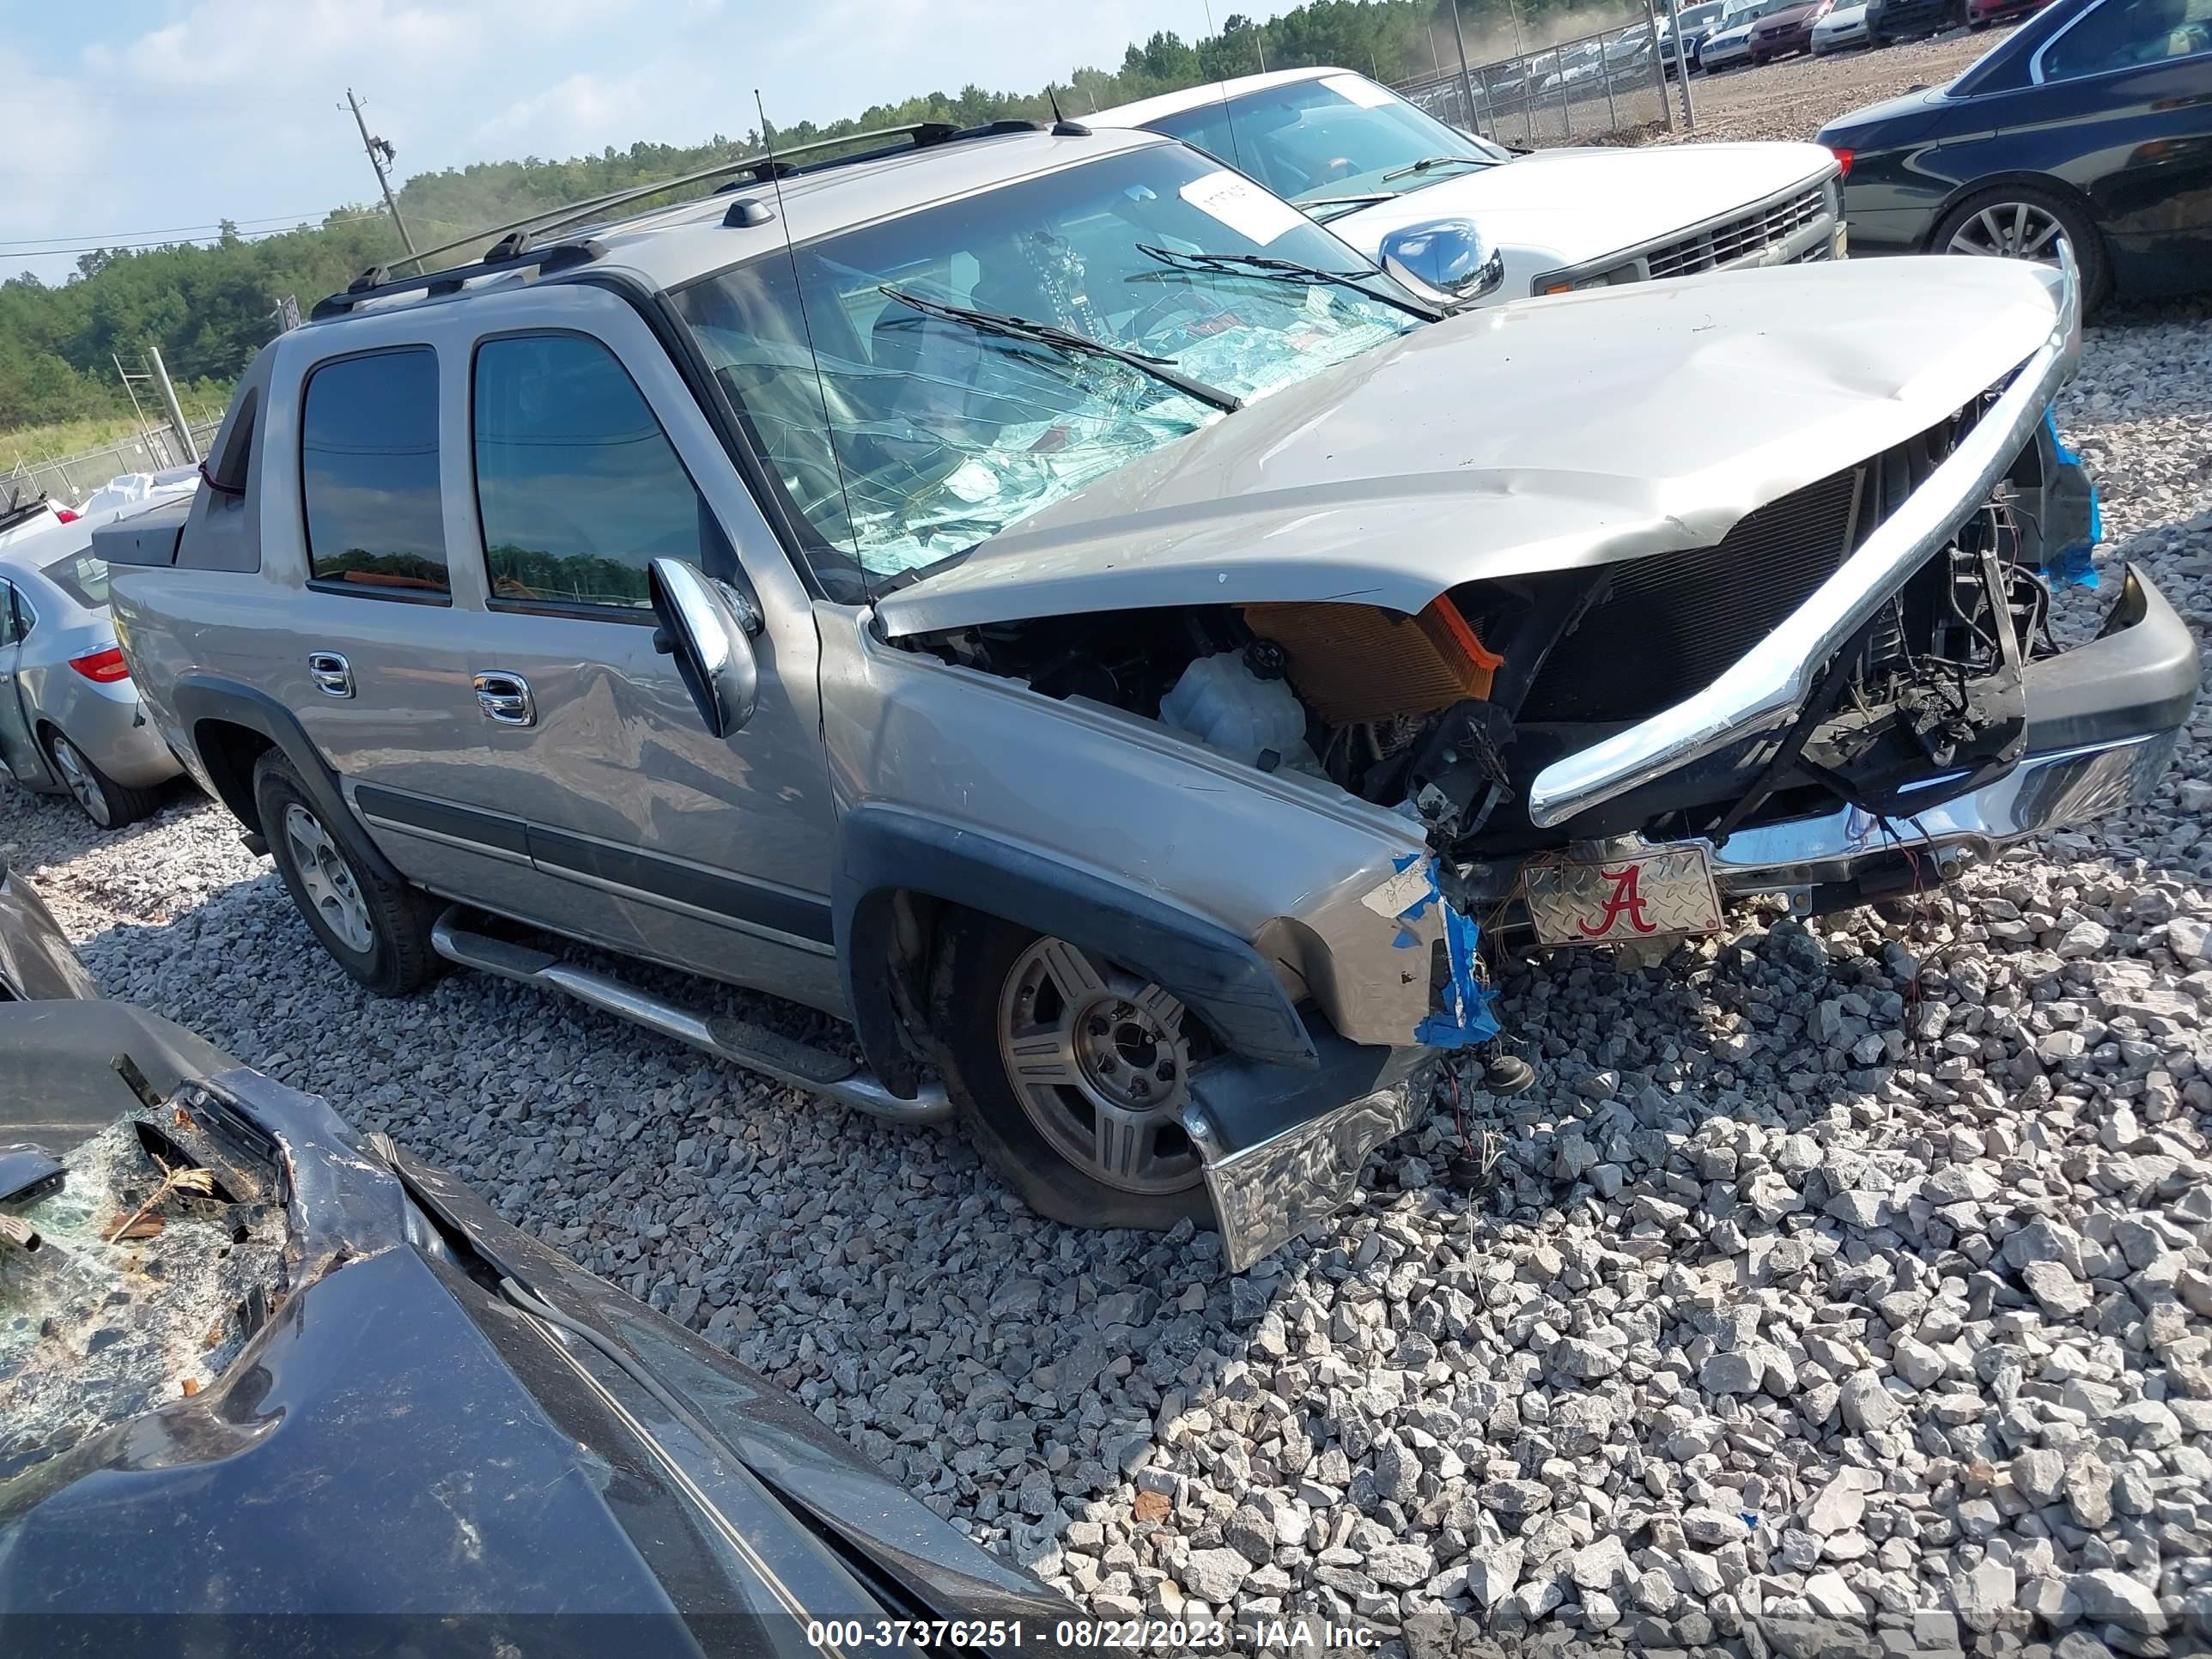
[
  {"x": 1428, "y": 162},
  {"x": 1290, "y": 271},
  {"x": 1066, "y": 339}
]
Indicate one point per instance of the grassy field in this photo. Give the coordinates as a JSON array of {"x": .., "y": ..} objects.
[{"x": 42, "y": 443}]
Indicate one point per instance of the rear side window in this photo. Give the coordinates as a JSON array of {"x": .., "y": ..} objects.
[
  {"x": 578, "y": 488},
  {"x": 369, "y": 474},
  {"x": 2130, "y": 35},
  {"x": 80, "y": 576},
  {"x": 10, "y": 631}
]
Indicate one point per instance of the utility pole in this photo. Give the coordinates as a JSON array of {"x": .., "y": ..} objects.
[
  {"x": 138, "y": 412},
  {"x": 1466, "y": 81},
  {"x": 1681, "y": 62},
  {"x": 1659, "y": 63},
  {"x": 380, "y": 157},
  {"x": 169, "y": 397}
]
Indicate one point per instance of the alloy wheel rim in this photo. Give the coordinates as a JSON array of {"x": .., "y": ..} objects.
[
  {"x": 328, "y": 881},
  {"x": 77, "y": 776},
  {"x": 2011, "y": 230},
  {"x": 1098, "y": 1060}
]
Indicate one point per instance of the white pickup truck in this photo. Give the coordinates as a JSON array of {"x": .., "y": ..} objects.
[{"x": 1364, "y": 161}]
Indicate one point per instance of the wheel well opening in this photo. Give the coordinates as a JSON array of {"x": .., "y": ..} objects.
[
  {"x": 229, "y": 752},
  {"x": 1995, "y": 185}
]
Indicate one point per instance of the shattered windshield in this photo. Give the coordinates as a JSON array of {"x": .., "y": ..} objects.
[
  {"x": 1332, "y": 144},
  {"x": 924, "y": 434}
]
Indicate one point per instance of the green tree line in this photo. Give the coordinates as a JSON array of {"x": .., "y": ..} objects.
[{"x": 210, "y": 305}]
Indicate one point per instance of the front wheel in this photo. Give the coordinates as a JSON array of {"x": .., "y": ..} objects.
[
  {"x": 1071, "y": 1074},
  {"x": 108, "y": 804},
  {"x": 378, "y": 931}
]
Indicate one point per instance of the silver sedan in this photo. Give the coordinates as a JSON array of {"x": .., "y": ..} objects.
[{"x": 70, "y": 716}]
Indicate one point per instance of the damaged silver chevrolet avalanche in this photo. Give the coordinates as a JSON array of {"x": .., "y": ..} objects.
[{"x": 1036, "y": 596}]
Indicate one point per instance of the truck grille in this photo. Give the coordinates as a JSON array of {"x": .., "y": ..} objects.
[
  {"x": 1687, "y": 616},
  {"x": 1739, "y": 238},
  {"x": 1682, "y": 619}
]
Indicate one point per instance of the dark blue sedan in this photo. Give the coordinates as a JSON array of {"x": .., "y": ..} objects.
[{"x": 2090, "y": 125}]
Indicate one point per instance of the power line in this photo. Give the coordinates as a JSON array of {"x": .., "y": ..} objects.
[
  {"x": 284, "y": 219},
  {"x": 184, "y": 241}
]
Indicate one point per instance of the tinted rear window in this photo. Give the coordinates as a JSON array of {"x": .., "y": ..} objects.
[
  {"x": 80, "y": 576},
  {"x": 368, "y": 474}
]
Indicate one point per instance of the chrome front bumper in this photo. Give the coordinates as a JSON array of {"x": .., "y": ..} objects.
[
  {"x": 2043, "y": 792},
  {"x": 2105, "y": 720},
  {"x": 1765, "y": 690}
]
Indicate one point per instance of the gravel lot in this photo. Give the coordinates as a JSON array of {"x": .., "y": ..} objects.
[
  {"x": 1792, "y": 98},
  {"x": 1844, "y": 1289}
]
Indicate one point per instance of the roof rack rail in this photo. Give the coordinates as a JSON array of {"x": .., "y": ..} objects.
[
  {"x": 516, "y": 245},
  {"x": 378, "y": 284},
  {"x": 762, "y": 167}
]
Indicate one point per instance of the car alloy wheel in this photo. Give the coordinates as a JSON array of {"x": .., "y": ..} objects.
[
  {"x": 327, "y": 879},
  {"x": 1102, "y": 1069},
  {"x": 2011, "y": 230},
  {"x": 78, "y": 778}
]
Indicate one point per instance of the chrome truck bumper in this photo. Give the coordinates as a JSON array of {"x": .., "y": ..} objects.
[
  {"x": 2104, "y": 720},
  {"x": 1765, "y": 690}
]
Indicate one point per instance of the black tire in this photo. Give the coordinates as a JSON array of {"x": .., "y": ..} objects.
[
  {"x": 394, "y": 958},
  {"x": 108, "y": 804},
  {"x": 2089, "y": 253},
  {"x": 978, "y": 957}
]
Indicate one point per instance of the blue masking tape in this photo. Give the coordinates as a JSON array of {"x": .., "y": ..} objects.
[
  {"x": 1465, "y": 1018},
  {"x": 2075, "y": 566}
]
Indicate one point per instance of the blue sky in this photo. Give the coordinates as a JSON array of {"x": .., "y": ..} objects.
[{"x": 164, "y": 115}]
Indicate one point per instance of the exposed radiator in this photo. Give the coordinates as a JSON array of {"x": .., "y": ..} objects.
[{"x": 1672, "y": 623}]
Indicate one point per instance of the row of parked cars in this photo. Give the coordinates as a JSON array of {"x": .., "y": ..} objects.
[{"x": 1721, "y": 34}]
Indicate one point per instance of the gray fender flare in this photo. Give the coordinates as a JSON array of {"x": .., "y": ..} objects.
[
  {"x": 884, "y": 850},
  {"x": 202, "y": 697}
]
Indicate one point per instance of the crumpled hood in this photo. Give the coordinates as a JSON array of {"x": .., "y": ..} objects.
[
  {"x": 1541, "y": 435},
  {"x": 1561, "y": 207}
]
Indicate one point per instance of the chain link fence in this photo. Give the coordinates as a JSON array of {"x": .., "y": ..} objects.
[
  {"x": 1596, "y": 87},
  {"x": 73, "y": 477}
]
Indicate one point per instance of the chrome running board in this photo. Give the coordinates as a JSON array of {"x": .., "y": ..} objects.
[{"x": 793, "y": 1064}]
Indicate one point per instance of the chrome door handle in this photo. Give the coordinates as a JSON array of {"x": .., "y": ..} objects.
[
  {"x": 506, "y": 698},
  {"x": 332, "y": 673}
]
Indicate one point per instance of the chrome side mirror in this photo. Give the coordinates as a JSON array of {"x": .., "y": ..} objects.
[
  {"x": 1446, "y": 261},
  {"x": 708, "y": 630}
]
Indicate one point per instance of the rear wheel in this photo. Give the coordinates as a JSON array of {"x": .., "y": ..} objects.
[
  {"x": 378, "y": 931},
  {"x": 1071, "y": 1074},
  {"x": 108, "y": 804},
  {"x": 2023, "y": 222}
]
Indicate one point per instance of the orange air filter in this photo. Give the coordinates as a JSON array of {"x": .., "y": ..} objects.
[{"x": 1353, "y": 662}]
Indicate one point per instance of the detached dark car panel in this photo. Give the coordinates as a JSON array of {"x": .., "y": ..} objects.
[
  {"x": 2095, "y": 105},
  {"x": 396, "y": 1439}
]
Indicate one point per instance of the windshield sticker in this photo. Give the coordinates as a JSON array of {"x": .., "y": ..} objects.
[
  {"x": 1357, "y": 90},
  {"x": 1243, "y": 207}
]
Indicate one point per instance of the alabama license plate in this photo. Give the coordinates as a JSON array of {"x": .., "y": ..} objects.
[{"x": 1614, "y": 901}]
